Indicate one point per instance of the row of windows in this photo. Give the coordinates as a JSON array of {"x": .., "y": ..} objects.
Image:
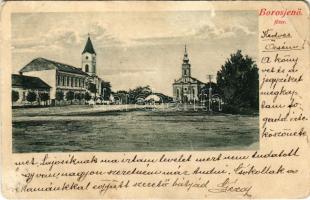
[{"x": 70, "y": 81}]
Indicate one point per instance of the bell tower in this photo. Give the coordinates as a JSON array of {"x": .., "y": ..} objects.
[
  {"x": 186, "y": 66},
  {"x": 89, "y": 58}
]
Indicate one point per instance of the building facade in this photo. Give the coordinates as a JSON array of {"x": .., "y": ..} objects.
[
  {"x": 61, "y": 77},
  {"x": 22, "y": 85},
  {"x": 187, "y": 89}
]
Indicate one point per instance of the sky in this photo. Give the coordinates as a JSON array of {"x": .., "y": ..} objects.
[{"x": 136, "y": 48}]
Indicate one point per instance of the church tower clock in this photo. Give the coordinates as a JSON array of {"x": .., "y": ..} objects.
[{"x": 89, "y": 58}]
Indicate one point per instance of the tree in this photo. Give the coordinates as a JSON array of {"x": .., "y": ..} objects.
[
  {"x": 237, "y": 81},
  {"x": 121, "y": 96},
  {"x": 92, "y": 88},
  {"x": 82, "y": 95},
  {"x": 106, "y": 90},
  {"x": 140, "y": 91},
  {"x": 31, "y": 96},
  {"x": 59, "y": 95},
  {"x": 44, "y": 97},
  {"x": 70, "y": 96},
  {"x": 204, "y": 91},
  {"x": 87, "y": 96},
  {"x": 15, "y": 96},
  {"x": 77, "y": 96}
]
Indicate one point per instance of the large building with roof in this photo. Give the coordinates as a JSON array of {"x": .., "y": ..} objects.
[
  {"x": 61, "y": 77},
  {"x": 187, "y": 89},
  {"x": 64, "y": 77}
]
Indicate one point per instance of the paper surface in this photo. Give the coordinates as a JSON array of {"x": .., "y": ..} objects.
[{"x": 196, "y": 131}]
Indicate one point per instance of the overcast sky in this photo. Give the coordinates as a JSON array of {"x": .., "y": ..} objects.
[{"x": 136, "y": 48}]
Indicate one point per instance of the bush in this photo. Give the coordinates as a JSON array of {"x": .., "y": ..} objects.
[
  {"x": 31, "y": 97},
  {"x": 82, "y": 95},
  {"x": 44, "y": 97},
  {"x": 78, "y": 96},
  {"x": 87, "y": 96},
  {"x": 15, "y": 96},
  {"x": 59, "y": 95},
  {"x": 70, "y": 96}
]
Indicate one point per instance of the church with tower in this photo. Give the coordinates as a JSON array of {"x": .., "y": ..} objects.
[
  {"x": 63, "y": 77},
  {"x": 187, "y": 89},
  {"x": 89, "y": 66},
  {"x": 89, "y": 58}
]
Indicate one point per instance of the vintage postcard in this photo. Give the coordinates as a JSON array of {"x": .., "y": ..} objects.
[{"x": 159, "y": 99}]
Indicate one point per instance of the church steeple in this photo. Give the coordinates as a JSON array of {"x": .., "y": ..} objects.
[
  {"x": 89, "y": 58},
  {"x": 186, "y": 66},
  {"x": 89, "y": 46},
  {"x": 185, "y": 58}
]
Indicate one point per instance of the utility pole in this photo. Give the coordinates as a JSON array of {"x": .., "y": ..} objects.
[
  {"x": 103, "y": 95},
  {"x": 210, "y": 91}
]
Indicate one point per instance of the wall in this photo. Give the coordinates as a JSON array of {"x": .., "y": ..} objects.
[{"x": 48, "y": 76}]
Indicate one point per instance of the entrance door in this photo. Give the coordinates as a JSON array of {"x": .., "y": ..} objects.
[{"x": 185, "y": 99}]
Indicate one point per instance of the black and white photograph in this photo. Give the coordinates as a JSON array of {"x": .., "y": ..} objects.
[{"x": 135, "y": 81}]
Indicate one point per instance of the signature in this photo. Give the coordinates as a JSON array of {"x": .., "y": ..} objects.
[{"x": 229, "y": 186}]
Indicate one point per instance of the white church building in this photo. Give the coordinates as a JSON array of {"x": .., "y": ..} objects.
[{"x": 64, "y": 77}]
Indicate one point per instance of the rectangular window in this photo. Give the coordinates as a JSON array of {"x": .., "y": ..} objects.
[
  {"x": 24, "y": 96},
  {"x": 68, "y": 80},
  {"x": 72, "y": 81},
  {"x": 57, "y": 80}
]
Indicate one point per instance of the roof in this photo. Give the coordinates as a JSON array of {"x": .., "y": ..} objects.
[
  {"x": 89, "y": 47},
  {"x": 191, "y": 80},
  {"x": 40, "y": 64},
  {"x": 28, "y": 82}
]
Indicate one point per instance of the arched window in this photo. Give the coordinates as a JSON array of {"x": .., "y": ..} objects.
[
  {"x": 86, "y": 68},
  {"x": 178, "y": 93}
]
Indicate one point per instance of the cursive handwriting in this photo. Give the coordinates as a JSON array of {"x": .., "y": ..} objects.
[{"x": 229, "y": 186}]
